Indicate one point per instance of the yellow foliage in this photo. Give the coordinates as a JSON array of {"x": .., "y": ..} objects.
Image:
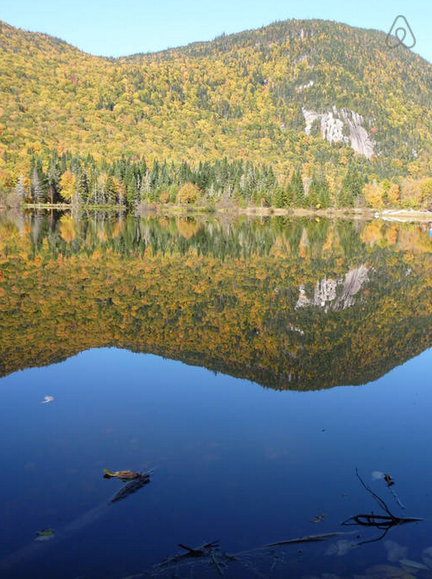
[
  {"x": 188, "y": 193},
  {"x": 372, "y": 233},
  {"x": 194, "y": 104},
  {"x": 67, "y": 228},
  {"x": 425, "y": 187},
  {"x": 393, "y": 194},
  {"x": 164, "y": 197},
  {"x": 188, "y": 228},
  {"x": 374, "y": 194},
  {"x": 210, "y": 302},
  {"x": 67, "y": 184}
]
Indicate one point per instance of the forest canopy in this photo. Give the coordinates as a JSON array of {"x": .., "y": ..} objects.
[{"x": 241, "y": 99}]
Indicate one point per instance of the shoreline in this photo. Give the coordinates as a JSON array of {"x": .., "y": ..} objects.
[{"x": 393, "y": 215}]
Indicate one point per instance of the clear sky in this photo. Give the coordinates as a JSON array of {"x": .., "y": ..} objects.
[{"x": 116, "y": 28}]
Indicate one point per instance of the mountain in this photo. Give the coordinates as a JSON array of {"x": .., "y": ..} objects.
[
  {"x": 309, "y": 92},
  {"x": 288, "y": 303}
]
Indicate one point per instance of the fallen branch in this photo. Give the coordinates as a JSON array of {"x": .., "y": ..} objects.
[
  {"x": 197, "y": 551},
  {"x": 191, "y": 553},
  {"x": 381, "y": 522},
  {"x": 307, "y": 539}
]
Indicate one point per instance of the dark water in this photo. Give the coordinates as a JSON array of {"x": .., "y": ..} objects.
[{"x": 254, "y": 365}]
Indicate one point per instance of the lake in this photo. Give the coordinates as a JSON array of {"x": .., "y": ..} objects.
[{"x": 273, "y": 375}]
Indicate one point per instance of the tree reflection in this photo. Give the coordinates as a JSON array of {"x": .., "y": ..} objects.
[{"x": 289, "y": 303}]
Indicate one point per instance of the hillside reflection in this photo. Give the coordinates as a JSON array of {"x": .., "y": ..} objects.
[{"x": 291, "y": 303}]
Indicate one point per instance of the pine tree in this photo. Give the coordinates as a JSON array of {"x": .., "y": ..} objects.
[
  {"x": 351, "y": 189},
  {"x": 323, "y": 192},
  {"x": 281, "y": 197},
  {"x": 111, "y": 195},
  {"x": 297, "y": 189},
  {"x": 314, "y": 192},
  {"x": 84, "y": 187}
]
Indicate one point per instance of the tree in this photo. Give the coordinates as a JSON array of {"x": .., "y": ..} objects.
[
  {"x": 20, "y": 188},
  {"x": 164, "y": 197},
  {"x": 53, "y": 182},
  {"x": 67, "y": 184},
  {"x": 188, "y": 193},
  {"x": 297, "y": 189},
  {"x": 145, "y": 186},
  {"x": 313, "y": 193},
  {"x": 393, "y": 194},
  {"x": 119, "y": 191},
  {"x": 110, "y": 190},
  {"x": 36, "y": 186},
  {"x": 425, "y": 187},
  {"x": 351, "y": 189},
  {"x": 282, "y": 197},
  {"x": 374, "y": 194},
  {"x": 84, "y": 187},
  {"x": 323, "y": 193}
]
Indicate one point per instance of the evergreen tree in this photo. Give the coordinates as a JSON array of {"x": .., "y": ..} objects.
[
  {"x": 351, "y": 190},
  {"x": 314, "y": 192},
  {"x": 282, "y": 197},
  {"x": 297, "y": 189},
  {"x": 84, "y": 187},
  {"x": 324, "y": 193},
  {"x": 110, "y": 192}
]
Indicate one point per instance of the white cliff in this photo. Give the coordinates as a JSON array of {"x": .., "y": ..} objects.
[{"x": 332, "y": 124}]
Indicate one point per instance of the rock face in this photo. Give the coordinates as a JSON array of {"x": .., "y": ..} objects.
[
  {"x": 302, "y": 87},
  {"x": 332, "y": 124},
  {"x": 326, "y": 294}
]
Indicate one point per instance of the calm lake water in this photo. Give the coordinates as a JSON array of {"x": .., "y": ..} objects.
[{"x": 253, "y": 364}]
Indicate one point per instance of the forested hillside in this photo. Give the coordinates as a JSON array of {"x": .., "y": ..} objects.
[{"x": 320, "y": 98}]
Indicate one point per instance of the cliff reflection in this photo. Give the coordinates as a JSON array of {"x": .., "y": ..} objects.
[{"x": 288, "y": 303}]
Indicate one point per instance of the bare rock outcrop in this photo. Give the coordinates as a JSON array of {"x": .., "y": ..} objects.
[{"x": 333, "y": 123}]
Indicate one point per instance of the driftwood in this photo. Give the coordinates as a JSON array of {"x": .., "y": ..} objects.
[
  {"x": 35, "y": 548},
  {"x": 308, "y": 539},
  {"x": 381, "y": 522},
  {"x": 131, "y": 487},
  {"x": 211, "y": 556},
  {"x": 201, "y": 551}
]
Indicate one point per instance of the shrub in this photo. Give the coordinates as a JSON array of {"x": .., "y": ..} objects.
[
  {"x": 164, "y": 197},
  {"x": 188, "y": 193}
]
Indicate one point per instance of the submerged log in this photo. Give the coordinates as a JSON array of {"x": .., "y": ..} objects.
[
  {"x": 131, "y": 487},
  {"x": 307, "y": 539}
]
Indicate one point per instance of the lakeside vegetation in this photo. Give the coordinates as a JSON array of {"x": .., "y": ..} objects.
[{"x": 70, "y": 180}]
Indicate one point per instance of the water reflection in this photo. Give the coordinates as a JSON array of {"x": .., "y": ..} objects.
[
  {"x": 289, "y": 303},
  {"x": 292, "y": 304}
]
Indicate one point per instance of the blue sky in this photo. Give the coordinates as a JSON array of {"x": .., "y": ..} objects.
[{"x": 113, "y": 28}]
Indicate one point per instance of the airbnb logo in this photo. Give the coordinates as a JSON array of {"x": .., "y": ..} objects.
[{"x": 400, "y": 33}]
